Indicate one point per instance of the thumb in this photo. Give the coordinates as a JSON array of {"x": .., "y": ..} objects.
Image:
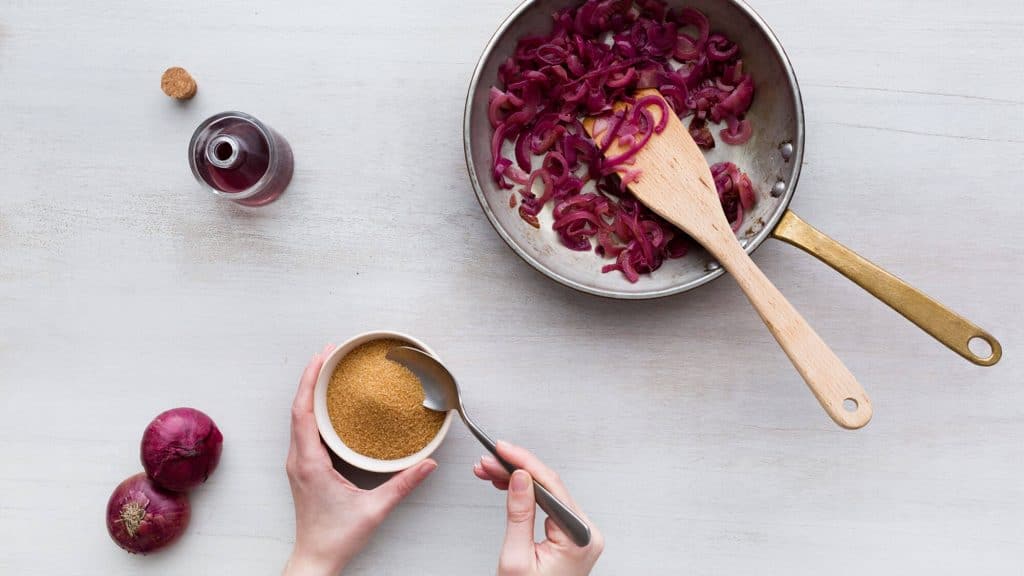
[
  {"x": 402, "y": 484},
  {"x": 517, "y": 553}
]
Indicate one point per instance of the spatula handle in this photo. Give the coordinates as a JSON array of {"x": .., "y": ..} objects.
[
  {"x": 943, "y": 324},
  {"x": 828, "y": 378}
]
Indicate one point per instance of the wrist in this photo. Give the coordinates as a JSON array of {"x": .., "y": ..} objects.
[{"x": 300, "y": 564}]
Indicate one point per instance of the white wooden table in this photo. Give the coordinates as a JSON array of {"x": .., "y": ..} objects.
[{"x": 678, "y": 424}]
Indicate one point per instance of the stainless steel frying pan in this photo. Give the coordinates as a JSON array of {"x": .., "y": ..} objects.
[{"x": 772, "y": 158}]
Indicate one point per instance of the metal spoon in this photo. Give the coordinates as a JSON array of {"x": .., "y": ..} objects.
[{"x": 442, "y": 394}]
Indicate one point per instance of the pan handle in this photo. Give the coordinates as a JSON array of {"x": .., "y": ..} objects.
[{"x": 943, "y": 324}]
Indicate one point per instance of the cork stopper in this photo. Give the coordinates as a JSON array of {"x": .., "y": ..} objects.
[{"x": 178, "y": 84}]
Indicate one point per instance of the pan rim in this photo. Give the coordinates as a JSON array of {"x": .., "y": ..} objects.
[{"x": 753, "y": 242}]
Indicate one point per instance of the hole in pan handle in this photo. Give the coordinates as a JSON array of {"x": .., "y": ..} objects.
[{"x": 946, "y": 326}]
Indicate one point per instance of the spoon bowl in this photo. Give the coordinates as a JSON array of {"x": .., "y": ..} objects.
[{"x": 440, "y": 391}]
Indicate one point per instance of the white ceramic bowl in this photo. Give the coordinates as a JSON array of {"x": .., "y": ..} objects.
[{"x": 323, "y": 420}]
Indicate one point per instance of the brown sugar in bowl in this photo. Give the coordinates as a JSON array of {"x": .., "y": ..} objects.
[{"x": 382, "y": 427}]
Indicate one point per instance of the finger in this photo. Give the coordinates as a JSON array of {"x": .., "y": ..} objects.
[
  {"x": 402, "y": 484},
  {"x": 517, "y": 553},
  {"x": 480, "y": 473},
  {"x": 550, "y": 526},
  {"x": 556, "y": 535},
  {"x": 493, "y": 468},
  {"x": 304, "y": 396},
  {"x": 328, "y": 348},
  {"x": 523, "y": 458},
  {"x": 305, "y": 436}
]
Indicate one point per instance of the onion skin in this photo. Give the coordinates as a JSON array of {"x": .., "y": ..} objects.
[
  {"x": 181, "y": 448},
  {"x": 143, "y": 518}
]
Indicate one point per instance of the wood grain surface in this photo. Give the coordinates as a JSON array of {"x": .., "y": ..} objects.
[{"x": 678, "y": 424}]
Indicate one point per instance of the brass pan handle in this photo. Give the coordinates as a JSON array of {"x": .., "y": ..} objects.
[{"x": 943, "y": 324}]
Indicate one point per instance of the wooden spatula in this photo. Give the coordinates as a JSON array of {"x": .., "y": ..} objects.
[{"x": 676, "y": 183}]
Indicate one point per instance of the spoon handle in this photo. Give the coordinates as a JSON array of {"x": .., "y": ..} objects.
[
  {"x": 564, "y": 517},
  {"x": 833, "y": 385}
]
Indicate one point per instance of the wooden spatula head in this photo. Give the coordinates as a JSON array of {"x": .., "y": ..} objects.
[{"x": 675, "y": 180}]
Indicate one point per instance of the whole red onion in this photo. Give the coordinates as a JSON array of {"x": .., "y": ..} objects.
[
  {"x": 180, "y": 448},
  {"x": 143, "y": 518}
]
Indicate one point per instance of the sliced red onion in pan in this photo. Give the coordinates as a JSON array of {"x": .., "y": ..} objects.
[{"x": 599, "y": 53}]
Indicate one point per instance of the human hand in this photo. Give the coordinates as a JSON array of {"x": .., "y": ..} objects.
[
  {"x": 521, "y": 555},
  {"x": 334, "y": 519}
]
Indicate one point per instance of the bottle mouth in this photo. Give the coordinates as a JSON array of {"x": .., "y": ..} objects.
[{"x": 224, "y": 152}]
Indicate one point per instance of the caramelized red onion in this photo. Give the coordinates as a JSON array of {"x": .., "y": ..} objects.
[{"x": 597, "y": 54}]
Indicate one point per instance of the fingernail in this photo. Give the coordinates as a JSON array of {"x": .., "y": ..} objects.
[
  {"x": 520, "y": 481},
  {"x": 426, "y": 468}
]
